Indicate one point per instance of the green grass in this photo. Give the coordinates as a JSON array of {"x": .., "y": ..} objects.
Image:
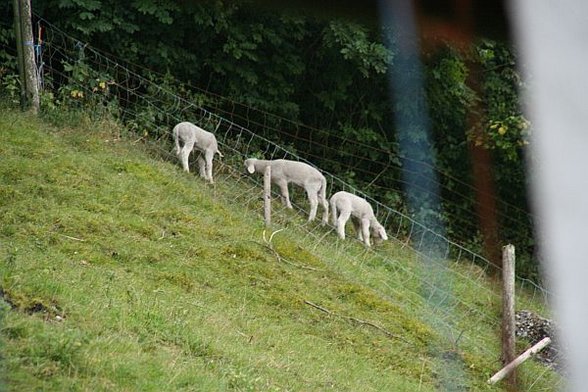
[{"x": 120, "y": 272}]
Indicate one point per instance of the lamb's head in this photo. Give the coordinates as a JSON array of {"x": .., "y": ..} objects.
[
  {"x": 250, "y": 165},
  {"x": 378, "y": 231}
]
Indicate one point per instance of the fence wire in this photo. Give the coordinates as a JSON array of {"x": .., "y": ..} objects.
[{"x": 149, "y": 108}]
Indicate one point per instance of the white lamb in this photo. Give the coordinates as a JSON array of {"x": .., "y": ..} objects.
[
  {"x": 284, "y": 171},
  {"x": 361, "y": 211},
  {"x": 191, "y": 136}
]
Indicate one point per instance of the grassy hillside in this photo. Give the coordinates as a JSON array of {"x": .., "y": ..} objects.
[{"x": 120, "y": 272}]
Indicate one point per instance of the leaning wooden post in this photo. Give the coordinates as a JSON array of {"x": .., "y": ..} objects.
[
  {"x": 267, "y": 195},
  {"x": 508, "y": 308},
  {"x": 520, "y": 359}
]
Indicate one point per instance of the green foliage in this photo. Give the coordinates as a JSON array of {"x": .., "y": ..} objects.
[
  {"x": 356, "y": 46},
  {"x": 10, "y": 85},
  {"x": 507, "y": 129},
  {"x": 449, "y": 98},
  {"x": 506, "y": 133},
  {"x": 87, "y": 89},
  {"x": 9, "y": 82}
]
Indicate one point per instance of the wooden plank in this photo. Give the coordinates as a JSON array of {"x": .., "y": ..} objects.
[{"x": 520, "y": 359}]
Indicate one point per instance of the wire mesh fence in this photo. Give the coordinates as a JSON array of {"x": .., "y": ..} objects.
[{"x": 149, "y": 108}]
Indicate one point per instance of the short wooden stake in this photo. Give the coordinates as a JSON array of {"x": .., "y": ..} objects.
[
  {"x": 508, "y": 307},
  {"x": 520, "y": 359},
  {"x": 267, "y": 196}
]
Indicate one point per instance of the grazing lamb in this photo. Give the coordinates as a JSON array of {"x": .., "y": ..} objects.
[
  {"x": 191, "y": 136},
  {"x": 301, "y": 174},
  {"x": 358, "y": 208}
]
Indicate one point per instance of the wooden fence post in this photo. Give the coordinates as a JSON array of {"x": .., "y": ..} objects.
[
  {"x": 23, "y": 29},
  {"x": 267, "y": 196},
  {"x": 508, "y": 308},
  {"x": 19, "y": 54}
]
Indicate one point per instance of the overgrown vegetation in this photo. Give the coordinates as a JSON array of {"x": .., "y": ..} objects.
[{"x": 120, "y": 272}]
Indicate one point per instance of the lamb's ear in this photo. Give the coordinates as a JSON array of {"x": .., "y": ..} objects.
[{"x": 251, "y": 168}]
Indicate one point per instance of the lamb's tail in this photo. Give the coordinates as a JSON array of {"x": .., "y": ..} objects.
[{"x": 219, "y": 154}]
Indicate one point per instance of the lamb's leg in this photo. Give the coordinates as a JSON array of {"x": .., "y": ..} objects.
[
  {"x": 357, "y": 227},
  {"x": 283, "y": 184},
  {"x": 313, "y": 200},
  {"x": 185, "y": 153},
  {"x": 177, "y": 144},
  {"x": 325, "y": 204},
  {"x": 341, "y": 221},
  {"x": 202, "y": 166},
  {"x": 334, "y": 213},
  {"x": 208, "y": 155},
  {"x": 365, "y": 231}
]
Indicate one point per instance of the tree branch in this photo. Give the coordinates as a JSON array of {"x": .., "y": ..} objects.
[{"x": 355, "y": 320}]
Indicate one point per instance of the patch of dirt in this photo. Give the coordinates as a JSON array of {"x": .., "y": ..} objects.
[
  {"x": 36, "y": 307},
  {"x": 50, "y": 312},
  {"x": 4, "y": 296}
]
